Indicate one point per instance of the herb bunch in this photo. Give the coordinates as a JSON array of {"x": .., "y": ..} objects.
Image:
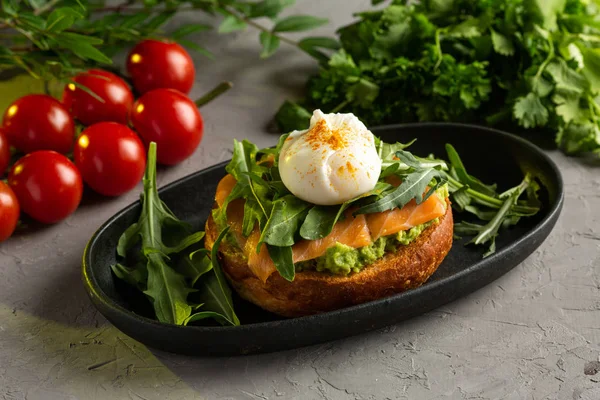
[
  {"x": 55, "y": 39},
  {"x": 519, "y": 64}
]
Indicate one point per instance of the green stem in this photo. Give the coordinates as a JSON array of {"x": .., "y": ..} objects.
[
  {"x": 438, "y": 48},
  {"x": 234, "y": 13},
  {"x": 544, "y": 64},
  {"x": 486, "y": 200},
  {"x": 213, "y": 94},
  {"x": 491, "y": 228},
  {"x": 594, "y": 108}
]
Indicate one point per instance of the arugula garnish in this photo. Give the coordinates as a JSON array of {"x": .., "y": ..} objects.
[
  {"x": 156, "y": 240},
  {"x": 481, "y": 200},
  {"x": 413, "y": 186}
]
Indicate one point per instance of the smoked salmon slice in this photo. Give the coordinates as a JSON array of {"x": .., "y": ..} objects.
[
  {"x": 401, "y": 219},
  {"x": 224, "y": 187},
  {"x": 355, "y": 232},
  {"x": 352, "y": 232}
]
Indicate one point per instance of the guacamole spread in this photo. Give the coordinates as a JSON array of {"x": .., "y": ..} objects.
[{"x": 343, "y": 260}]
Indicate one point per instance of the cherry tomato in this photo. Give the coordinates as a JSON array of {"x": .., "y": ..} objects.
[
  {"x": 4, "y": 153},
  {"x": 47, "y": 184},
  {"x": 39, "y": 122},
  {"x": 111, "y": 158},
  {"x": 88, "y": 110},
  {"x": 9, "y": 211},
  {"x": 170, "y": 119},
  {"x": 154, "y": 64}
]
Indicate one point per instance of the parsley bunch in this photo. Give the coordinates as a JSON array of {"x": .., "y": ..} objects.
[{"x": 510, "y": 63}]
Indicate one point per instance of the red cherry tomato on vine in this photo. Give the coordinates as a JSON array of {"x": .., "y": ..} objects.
[
  {"x": 39, "y": 122},
  {"x": 4, "y": 153},
  {"x": 111, "y": 158},
  {"x": 170, "y": 119},
  {"x": 9, "y": 211},
  {"x": 154, "y": 64},
  {"x": 109, "y": 87},
  {"x": 47, "y": 184}
]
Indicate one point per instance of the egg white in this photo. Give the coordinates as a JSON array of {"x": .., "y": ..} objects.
[{"x": 333, "y": 161}]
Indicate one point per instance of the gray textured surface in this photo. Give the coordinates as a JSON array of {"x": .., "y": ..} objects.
[{"x": 533, "y": 334}]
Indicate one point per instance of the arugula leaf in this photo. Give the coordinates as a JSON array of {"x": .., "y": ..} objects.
[
  {"x": 413, "y": 186},
  {"x": 214, "y": 293},
  {"x": 156, "y": 221},
  {"x": 243, "y": 166},
  {"x": 489, "y": 231},
  {"x": 286, "y": 217},
  {"x": 194, "y": 265},
  {"x": 461, "y": 199},
  {"x": 408, "y": 159},
  {"x": 167, "y": 290},
  {"x": 160, "y": 234},
  {"x": 463, "y": 176},
  {"x": 283, "y": 259},
  {"x": 321, "y": 219},
  {"x": 387, "y": 151},
  {"x": 136, "y": 276}
]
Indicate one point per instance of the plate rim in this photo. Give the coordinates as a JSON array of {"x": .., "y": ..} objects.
[{"x": 96, "y": 292}]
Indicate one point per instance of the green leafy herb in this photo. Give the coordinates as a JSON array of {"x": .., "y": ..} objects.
[
  {"x": 488, "y": 232},
  {"x": 286, "y": 217},
  {"x": 283, "y": 260},
  {"x": 321, "y": 219},
  {"x": 167, "y": 290},
  {"x": 213, "y": 292},
  {"x": 413, "y": 186},
  {"x": 497, "y": 209},
  {"x": 517, "y": 64},
  {"x": 54, "y": 40},
  {"x": 156, "y": 240}
]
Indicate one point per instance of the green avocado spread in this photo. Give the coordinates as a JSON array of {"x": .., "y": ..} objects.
[{"x": 343, "y": 260}]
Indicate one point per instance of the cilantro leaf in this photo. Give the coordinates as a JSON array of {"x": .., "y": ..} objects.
[
  {"x": 530, "y": 112},
  {"x": 502, "y": 44}
]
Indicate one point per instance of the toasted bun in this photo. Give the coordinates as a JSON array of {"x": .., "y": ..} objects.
[{"x": 314, "y": 292}]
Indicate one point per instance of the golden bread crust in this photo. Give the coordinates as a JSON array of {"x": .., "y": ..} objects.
[{"x": 314, "y": 292}]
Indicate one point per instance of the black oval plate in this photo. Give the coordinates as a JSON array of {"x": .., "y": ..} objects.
[{"x": 491, "y": 155}]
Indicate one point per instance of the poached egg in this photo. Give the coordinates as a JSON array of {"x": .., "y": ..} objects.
[{"x": 332, "y": 161}]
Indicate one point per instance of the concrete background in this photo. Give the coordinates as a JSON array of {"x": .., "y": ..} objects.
[{"x": 533, "y": 334}]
